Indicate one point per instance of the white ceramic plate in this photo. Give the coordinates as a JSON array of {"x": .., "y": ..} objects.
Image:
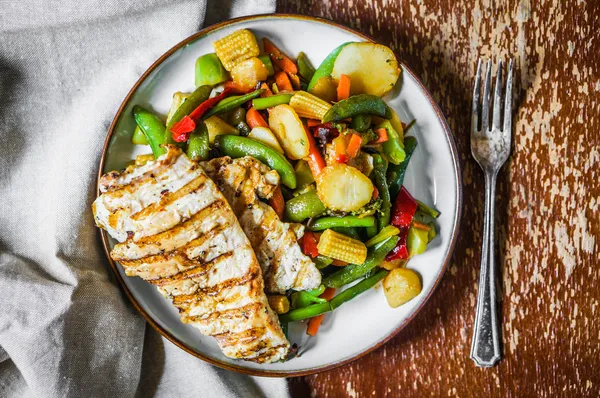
[{"x": 433, "y": 176}]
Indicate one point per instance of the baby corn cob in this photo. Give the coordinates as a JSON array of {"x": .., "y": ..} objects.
[
  {"x": 236, "y": 47},
  {"x": 309, "y": 106},
  {"x": 279, "y": 303},
  {"x": 341, "y": 247}
]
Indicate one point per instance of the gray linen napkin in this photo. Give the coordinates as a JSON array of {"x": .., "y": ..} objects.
[{"x": 65, "y": 327}]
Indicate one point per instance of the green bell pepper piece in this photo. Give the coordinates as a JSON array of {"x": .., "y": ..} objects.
[
  {"x": 304, "y": 176},
  {"x": 394, "y": 146},
  {"x": 416, "y": 241},
  {"x": 210, "y": 71},
  {"x": 138, "y": 137},
  {"x": 305, "y": 68},
  {"x": 266, "y": 60}
]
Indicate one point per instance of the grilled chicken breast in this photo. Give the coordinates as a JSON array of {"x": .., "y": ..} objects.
[
  {"x": 284, "y": 265},
  {"x": 177, "y": 231}
]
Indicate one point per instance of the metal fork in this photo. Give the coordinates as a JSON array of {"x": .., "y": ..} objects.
[{"x": 490, "y": 148}]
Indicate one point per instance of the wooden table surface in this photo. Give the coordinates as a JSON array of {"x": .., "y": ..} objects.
[{"x": 547, "y": 200}]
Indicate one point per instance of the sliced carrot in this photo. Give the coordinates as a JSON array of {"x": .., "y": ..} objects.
[
  {"x": 295, "y": 80},
  {"x": 375, "y": 193},
  {"x": 419, "y": 225},
  {"x": 383, "y": 136},
  {"x": 313, "y": 122},
  {"x": 339, "y": 263},
  {"x": 267, "y": 92},
  {"x": 315, "y": 322},
  {"x": 277, "y": 202},
  {"x": 278, "y": 58},
  {"x": 343, "y": 88},
  {"x": 283, "y": 81},
  {"x": 354, "y": 145},
  {"x": 255, "y": 119},
  {"x": 315, "y": 160}
]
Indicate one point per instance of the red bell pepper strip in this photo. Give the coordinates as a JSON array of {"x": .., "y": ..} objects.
[
  {"x": 182, "y": 129},
  {"x": 309, "y": 244},
  {"x": 404, "y": 209}
]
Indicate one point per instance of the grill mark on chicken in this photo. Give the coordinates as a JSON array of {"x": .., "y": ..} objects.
[
  {"x": 199, "y": 270},
  {"x": 204, "y": 264},
  {"x": 193, "y": 186}
]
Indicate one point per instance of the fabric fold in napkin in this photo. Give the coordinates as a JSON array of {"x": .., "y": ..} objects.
[{"x": 66, "y": 329}]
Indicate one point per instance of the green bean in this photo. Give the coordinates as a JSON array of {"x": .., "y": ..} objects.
[
  {"x": 357, "y": 289},
  {"x": 209, "y": 70},
  {"x": 352, "y": 272},
  {"x": 305, "y": 68},
  {"x": 395, "y": 175},
  {"x": 394, "y": 146},
  {"x": 380, "y": 165},
  {"x": 304, "y": 206},
  {"x": 199, "y": 95},
  {"x": 348, "y": 231},
  {"x": 371, "y": 231},
  {"x": 230, "y": 103},
  {"x": 305, "y": 313},
  {"x": 347, "y": 221},
  {"x": 356, "y": 105},
  {"x": 269, "y": 102},
  {"x": 237, "y": 147},
  {"x": 427, "y": 210},
  {"x": 152, "y": 127},
  {"x": 198, "y": 145}
]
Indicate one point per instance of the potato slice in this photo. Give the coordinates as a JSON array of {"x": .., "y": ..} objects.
[
  {"x": 373, "y": 68},
  {"x": 342, "y": 187},
  {"x": 248, "y": 73},
  {"x": 266, "y": 136},
  {"x": 400, "y": 286},
  {"x": 289, "y": 130},
  {"x": 216, "y": 126}
]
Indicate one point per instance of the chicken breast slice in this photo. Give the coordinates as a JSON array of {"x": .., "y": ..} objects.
[
  {"x": 242, "y": 181},
  {"x": 177, "y": 231}
]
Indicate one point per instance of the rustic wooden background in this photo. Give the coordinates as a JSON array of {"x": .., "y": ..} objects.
[{"x": 548, "y": 200}]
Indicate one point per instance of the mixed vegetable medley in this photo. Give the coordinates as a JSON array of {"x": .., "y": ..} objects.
[{"x": 340, "y": 151}]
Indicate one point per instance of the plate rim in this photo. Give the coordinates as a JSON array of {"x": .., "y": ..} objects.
[{"x": 278, "y": 373}]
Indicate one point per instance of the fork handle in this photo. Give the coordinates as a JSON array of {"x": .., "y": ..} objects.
[{"x": 485, "y": 347}]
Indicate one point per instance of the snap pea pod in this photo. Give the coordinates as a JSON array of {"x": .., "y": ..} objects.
[
  {"x": 380, "y": 166},
  {"x": 305, "y": 68},
  {"x": 209, "y": 70},
  {"x": 230, "y": 103},
  {"x": 395, "y": 175},
  {"x": 304, "y": 206},
  {"x": 356, "y": 105},
  {"x": 138, "y": 137},
  {"x": 361, "y": 122},
  {"x": 269, "y": 102},
  {"x": 352, "y": 272},
  {"x": 347, "y": 221},
  {"x": 152, "y": 127},
  {"x": 322, "y": 262},
  {"x": 237, "y": 147},
  {"x": 326, "y": 66},
  {"x": 349, "y": 231},
  {"x": 198, "y": 143},
  {"x": 357, "y": 289},
  {"x": 347, "y": 295},
  {"x": 199, "y": 95},
  {"x": 266, "y": 60}
]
